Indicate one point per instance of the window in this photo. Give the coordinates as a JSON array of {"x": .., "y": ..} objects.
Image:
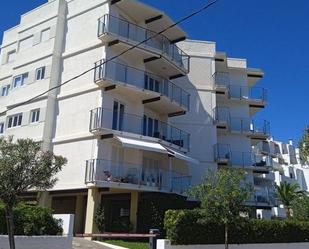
[
  {"x": 40, "y": 73},
  {"x": 26, "y": 43},
  {"x": 45, "y": 35},
  {"x": 285, "y": 149},
  {"x": 118, "y": 116},
  {"x": 20, "y": 80},
  {"x": 1, "y": 128},
  {"x": 35, "y": 116},
  {"x": 11, "y": 56},
  {"x": 5, "y": 90},
  {"x": 151, "y": 83},
  {"x": 151, "y": 127},
  {"x": 15, "y": 120}
]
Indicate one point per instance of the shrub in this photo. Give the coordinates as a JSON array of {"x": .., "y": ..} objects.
[
  {"x": 31, "y": 220},
  {"x": 152, "y": 207},
  {"x": 185, "y": 227}
]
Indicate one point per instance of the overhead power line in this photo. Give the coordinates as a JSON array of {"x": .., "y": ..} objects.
[{"x": 112, "y": 58}]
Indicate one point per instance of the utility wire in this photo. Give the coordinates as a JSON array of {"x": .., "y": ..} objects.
[{"x": 113, "y": 58}]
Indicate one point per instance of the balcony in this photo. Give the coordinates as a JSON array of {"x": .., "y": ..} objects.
[
  {"x": 103, "y": 121},
  {"x": 255, "y": 129},
  {"x": 106, "y": 173},
  {"x": 224, "y": 156},
  {"x": 154, "y": 91},
  {"x": 269, "y": 148},
  {"x": 264, "y": 197},
  {"x": 256, "y": 97},
  {"x": 157, "y": 51}
]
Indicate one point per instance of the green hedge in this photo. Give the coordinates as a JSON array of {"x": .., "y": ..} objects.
[
  {"x": 184, "y": 227},
  {"x": 152, "y": 207},
  {"x": 31, "y": 220}
]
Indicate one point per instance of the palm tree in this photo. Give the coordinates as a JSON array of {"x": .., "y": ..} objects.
[{"x": 287, "y": 193}]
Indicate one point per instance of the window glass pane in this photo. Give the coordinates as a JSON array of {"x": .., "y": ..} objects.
[
  {"x": 10, "y": 122},
  {"x": 26, "y": 43},
  {"x": 15, "y": 119},
  {"x": 121, "y": 117},
  {"x": 144, "y": 125},
  {"x": 35, "y": 116},
  {"x": 20, "y": 117},
  {"x": 150, "y": 127},
  {"x": 40, "y": 73},
  {"x": 45, "y": 35},
  {"x": 11, "y": 56},
  {"x": 1, "y": 128},
  {"x": 5, "y": 90},
  {"x": 24, "y": 78},
  {"x": 17, "y": 81},
  {"x": 115, "y": 116}
]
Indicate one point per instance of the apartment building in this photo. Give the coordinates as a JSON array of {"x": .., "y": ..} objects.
[
  {"x": 287, "y": 167},
  {"x": 153, "y": 120},
  {"x": 224, "y": 101},
  {"x": 111, "y": 123}
]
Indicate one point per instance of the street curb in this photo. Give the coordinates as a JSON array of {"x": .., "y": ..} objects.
[{"x": 109, "y": 245}]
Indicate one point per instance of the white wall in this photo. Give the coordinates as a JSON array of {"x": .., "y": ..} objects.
[
  {"x": 165, "y": 244},
  {"x": 38, "y": 242}
]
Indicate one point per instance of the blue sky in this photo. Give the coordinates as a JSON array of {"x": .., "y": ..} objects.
[{"x": 271, "y": 34}]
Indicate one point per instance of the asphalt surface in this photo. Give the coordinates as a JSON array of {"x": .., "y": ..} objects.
[{"x": 79, "y": 243}]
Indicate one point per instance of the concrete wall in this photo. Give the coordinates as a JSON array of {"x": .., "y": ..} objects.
[
  {"x": 39, "y": 242},
  {"x": 165, "y": 244}
]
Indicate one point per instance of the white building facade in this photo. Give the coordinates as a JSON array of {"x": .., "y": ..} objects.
[
  {"x": 111, "y": 123},
  {"x": 287, "y": 167},
  {"x": 224, "y": 101}
]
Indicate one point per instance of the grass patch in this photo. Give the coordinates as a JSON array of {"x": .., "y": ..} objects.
[{"x": 129, "y": 244}]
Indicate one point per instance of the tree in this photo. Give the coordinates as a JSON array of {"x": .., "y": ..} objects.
[
  {"x": 288, "y": 193},
  {"x": 24, "y": 166},
  {"x": 300, "y": 208},
  {"x": 223, "y": 195},
  {"x": 100, "y": 218},
  {"x": 304, "y": 147}
]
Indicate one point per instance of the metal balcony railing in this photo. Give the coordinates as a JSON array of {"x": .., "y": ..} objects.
[
  {"x": 265, "y": 195},
  {"x": 101, "y": 170},
  {"x": 241, "y": 125},
  {"x": 109, "y": 24},
  {"x": 108, "y": 119},
  {"x": 141, "y": 79},
  {"x": 258, "y": 94},
  {"x": 222, "y": 152}
]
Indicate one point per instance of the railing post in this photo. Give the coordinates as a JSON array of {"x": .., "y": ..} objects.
[{"x": 153, "y": 240}]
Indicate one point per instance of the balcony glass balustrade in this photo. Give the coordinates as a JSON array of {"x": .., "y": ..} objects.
[
  {"x": 240, "y": 159},
  {"x": 101, "y": 119},
  {"x": 241, "y": 125},
  {"x": 104, "y": 171},
  {"x": 143, "y": 80},
  {"x": 116, "y": 26},
  {"x": 257, "y": 94}
]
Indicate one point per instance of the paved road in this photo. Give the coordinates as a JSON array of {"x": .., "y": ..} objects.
[{"x": 86, "y": 244}]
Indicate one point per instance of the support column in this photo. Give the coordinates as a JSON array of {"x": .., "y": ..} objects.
[
  {"x": 133, "y": 209},
  {"x": 79, "y": 214},
  {"x": 44, "y": 199},
  {"x": 93, "y": 201},
  {"x": 170, "y": 169}
]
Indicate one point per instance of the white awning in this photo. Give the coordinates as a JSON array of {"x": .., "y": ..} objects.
[
  {"x": 155, "y": 147},
  {"x": 182, "y": 156},
  {"x": 142, "y": 145}
]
